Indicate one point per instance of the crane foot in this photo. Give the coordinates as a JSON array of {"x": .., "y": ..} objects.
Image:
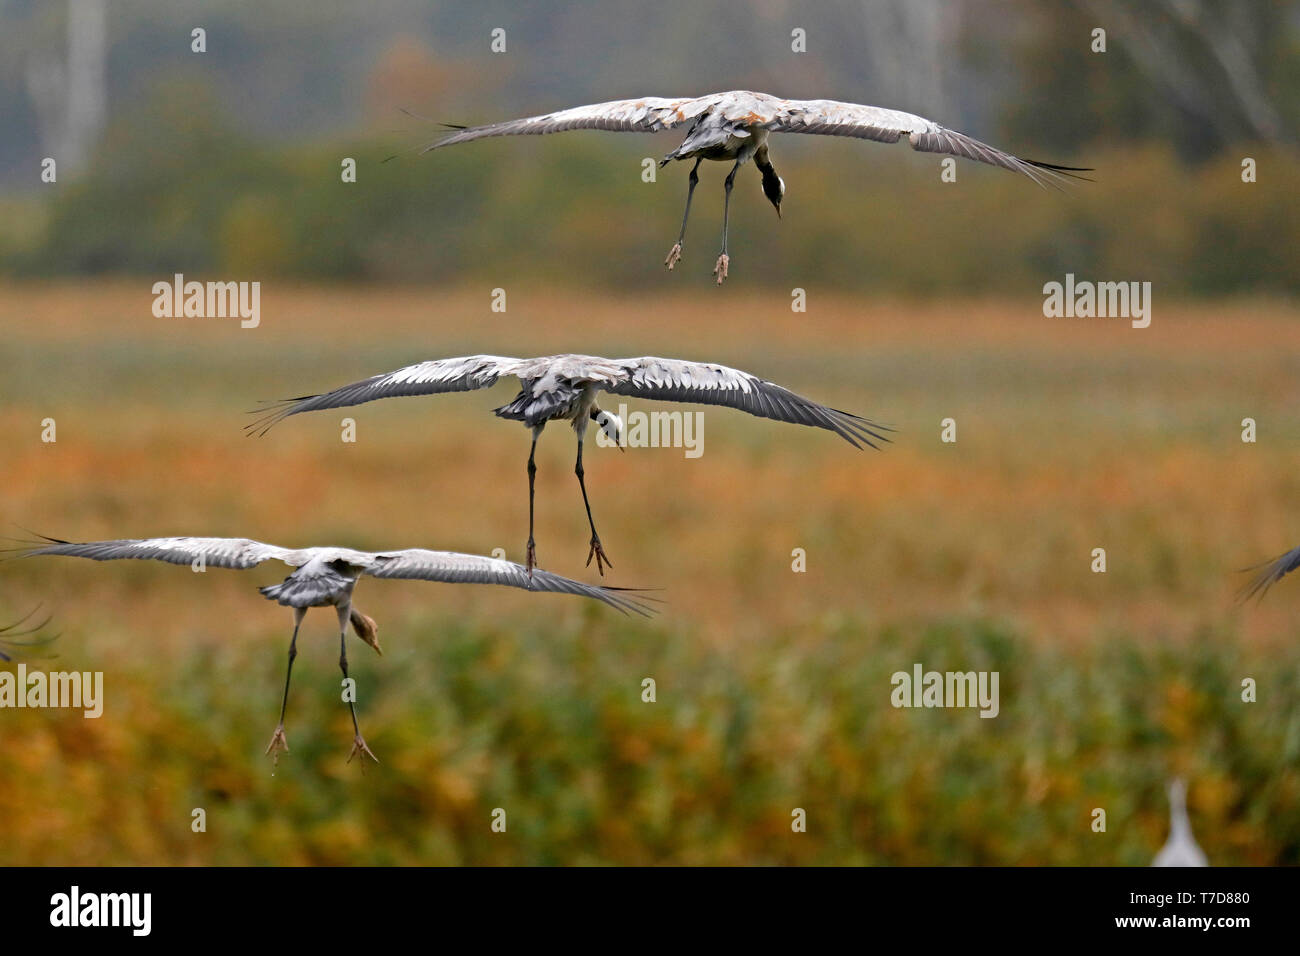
[
  {"x": 530, "y": 557},
  {"x": 359, "y": 747},
  {"x": 598, "y": 553},
  {"x": 674, "y": 255},
  {"x": 720, "y": 270},
  {"x": 278, "y": 743}
]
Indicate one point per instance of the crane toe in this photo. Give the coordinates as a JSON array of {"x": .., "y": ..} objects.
[
  {"x": 359, "y": 747},
  {"x": 277, "y": 745},
  {"x": 598, "y": 553}
]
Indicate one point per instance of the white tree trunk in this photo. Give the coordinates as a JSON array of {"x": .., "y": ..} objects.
[{"x": 69, "y": 96}]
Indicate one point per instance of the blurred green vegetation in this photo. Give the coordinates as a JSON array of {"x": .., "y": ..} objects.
[
  {"x": 547, "y": 723},
  {"x": 176, "y": 189}
]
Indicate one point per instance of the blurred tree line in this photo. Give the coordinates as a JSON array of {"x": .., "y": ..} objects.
[{"x": 227, "y": 163}]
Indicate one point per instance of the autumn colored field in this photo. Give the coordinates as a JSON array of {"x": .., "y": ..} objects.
[{"x": 773, "y": 687}]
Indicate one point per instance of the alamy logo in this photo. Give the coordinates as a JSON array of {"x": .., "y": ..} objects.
[
  {"x": 208, "y": 300},
  {"x": 1085, "y": 299},
  {"x": 923, "y": 688},
  {"x": 134, "y": 910},
  {"x": 77, "y": 690},
  {"x": 675, "y": 429}
]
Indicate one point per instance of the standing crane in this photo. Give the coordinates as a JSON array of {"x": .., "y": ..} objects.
[
  {"x": 325, "y": 577},
  {"x": 1181, "y": 849},
  {"x": 564, "y": 388},
  {"x": 733, "y": 127}
]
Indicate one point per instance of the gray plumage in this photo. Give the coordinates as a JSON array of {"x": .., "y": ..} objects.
[
  {"x": 717, "y": 118},
  {"x": 563, "y": 386},
  {"x": 734, "y": 127},
  {"x": 326, "y": 576}
]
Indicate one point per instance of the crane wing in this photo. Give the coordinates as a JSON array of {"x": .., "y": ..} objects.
[
  {"x": 833, "y": 118},
  {"x": 424, "y": 378},
  {"x": 452, "y": 567},
  {"x": 645, "y": 115},
  {"x": 237, "y": 553},
  {"x": 674, "y": 380}
]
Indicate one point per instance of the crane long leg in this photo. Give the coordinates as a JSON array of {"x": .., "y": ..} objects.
[
  {"x": 278, "y": 742},
  {"x": 596, "y": 551},
  {"x": 530, "y": 558},
  {"x": 675, "y": 252},
  {"x": 720, "y": 270},
  {"x": 358, "y": 742}
]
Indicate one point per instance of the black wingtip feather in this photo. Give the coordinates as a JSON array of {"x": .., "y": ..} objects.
[
  {"x": 862, "y": 429},
  {"x": 1268, "y": 573},
  {"x": 1067, "y": 171},
  {"x": 26, "y": 547},
  {"x": 272, "y": 413},
  {"x": 9, "y": 632}
]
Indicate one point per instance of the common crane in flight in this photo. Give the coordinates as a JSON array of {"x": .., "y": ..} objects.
[
  {"x": 733, "y": 127},
  {"x": 1181, "y": 849},
  {"x": 325, "y": 577},
  {"x": 565, "y": 387}
]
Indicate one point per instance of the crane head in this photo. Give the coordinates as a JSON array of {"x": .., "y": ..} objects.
[
  {"x": 773, "y": 188},
  {"x": 611, "y": 425},
  {"x": 366, "y": 629}
]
